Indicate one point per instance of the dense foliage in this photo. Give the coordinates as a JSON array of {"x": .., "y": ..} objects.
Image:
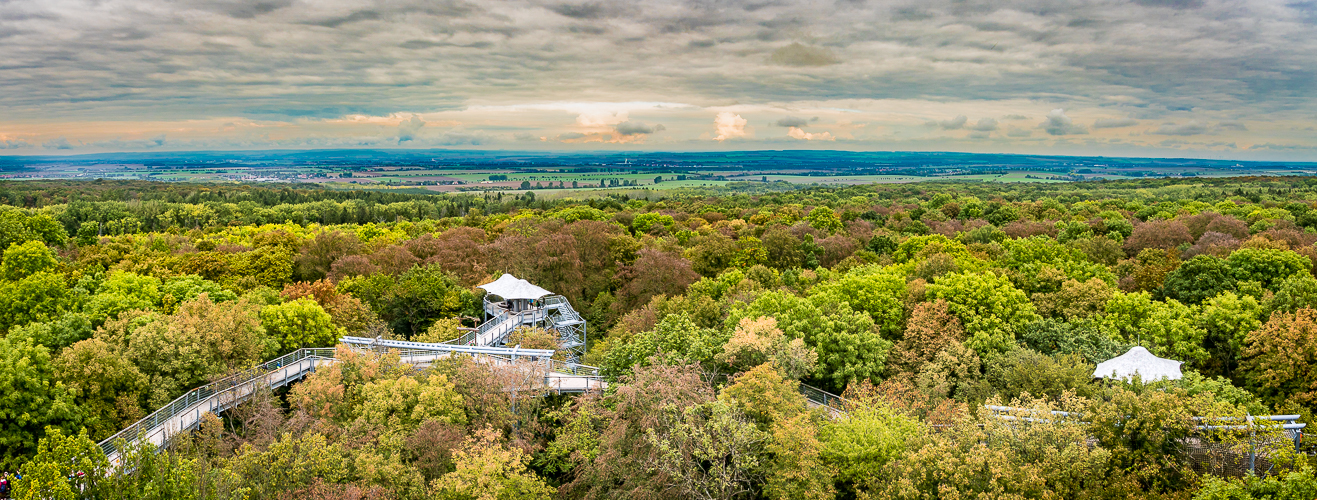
[{"x": 707, "y": 311}]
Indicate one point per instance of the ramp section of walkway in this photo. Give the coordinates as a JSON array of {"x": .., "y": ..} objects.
[{"x": 186, "y": 412}]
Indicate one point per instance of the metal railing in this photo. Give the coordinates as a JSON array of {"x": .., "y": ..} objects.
[
  {"x": 824, "y": 398},
  {"x": 257, "y": 375}
]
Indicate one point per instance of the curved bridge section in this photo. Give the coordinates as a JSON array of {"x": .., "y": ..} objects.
[{"x": 540, "y": 372}]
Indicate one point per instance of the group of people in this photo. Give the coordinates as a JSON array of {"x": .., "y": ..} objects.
[{"x": 6, "y": 484}]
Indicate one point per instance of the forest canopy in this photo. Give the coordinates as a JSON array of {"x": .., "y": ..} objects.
[{"x": 710, "y": 311}]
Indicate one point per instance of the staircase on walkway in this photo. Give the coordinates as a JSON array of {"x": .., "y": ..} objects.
[{"x": 553, "y": 313}]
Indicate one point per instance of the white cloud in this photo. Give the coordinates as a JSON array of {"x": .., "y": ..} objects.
[
  {"x": 730, "y": 125},
  {"x": 797, "y": 133}
]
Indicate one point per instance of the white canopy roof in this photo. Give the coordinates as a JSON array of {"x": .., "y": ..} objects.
[
  {"x": 510, "y": 287},
  {"x": 1139, "y": 360}
]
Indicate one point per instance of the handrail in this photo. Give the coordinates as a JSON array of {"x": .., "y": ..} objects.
[
  {"x": 188, "y": 399},
  {"x": 823, "y": 398}
]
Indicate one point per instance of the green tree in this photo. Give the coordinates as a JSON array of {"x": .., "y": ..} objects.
[
  {"x": 64, "y": 468},
  {"x": 402, "y": 404},
  {"x": 1168, "y": 329},
  {"x": 56, "y": 334},
  {"x": 1266, "y": 266},
  {"x": 299, "y": 323},
  {"x": 1294, "y": 293},
  {"x": 36, "y": 298},
  {"x": 876, "y": 293},
  {"x": 849, "y": 347},
  {"x": 181, "y": 289},
  {"x": 1227, "y": 319},
  {"x": 1199, "y": 279},
  {"x": 412, "y": 301},
  {"x": 823, "y": 219},
  {"x": 864, "y": 440},
  {"x": 31, "y": 398},
  {"x": 709, "y": 451},
  {"x": 990, "y": 308},
  {"x": 26, "y": 259},
  {"x": 676, "y": 340}
]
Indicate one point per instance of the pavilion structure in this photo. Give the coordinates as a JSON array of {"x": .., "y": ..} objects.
[
  {"x": 511, "y": 302},
  {"x": 1139, "y": 361}
]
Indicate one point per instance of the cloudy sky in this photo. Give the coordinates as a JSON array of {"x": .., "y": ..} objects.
[{"x": 1197, "y": 78}]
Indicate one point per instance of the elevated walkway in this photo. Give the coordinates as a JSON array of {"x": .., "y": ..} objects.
[{"x": 542, "y": 375}]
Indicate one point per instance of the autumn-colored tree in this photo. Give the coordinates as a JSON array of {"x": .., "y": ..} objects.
[
  {"x": 457, "y": 250},
  {"x": 654, "y": 273},
  {"x": 108, "y": 387},
  {"x": 1075, "y": 300},
  {"x": 318, "y": 254},
  {"x": 486, "y": 468},
  {"x": 759, "y": 341},
  {"x": 1280, "y": 358},
  {"x": 797, "y": 469},
  {"x": 931, "y": 329},
  {"x": 1163, "y": 235},
  {"x": 401, "y": 405},
  {"x": 764, "y": 396}
]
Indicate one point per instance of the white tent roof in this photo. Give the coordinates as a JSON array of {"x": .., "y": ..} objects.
[
  {"x": 510, "y": 287},
  {"x": 1139, "y": 360}
]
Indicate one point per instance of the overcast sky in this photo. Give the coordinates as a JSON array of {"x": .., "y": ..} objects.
[{"x": 1199, "y": 78}]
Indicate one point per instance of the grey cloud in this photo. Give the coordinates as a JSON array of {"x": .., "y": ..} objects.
[
  {"x": 1191, "y": 128},
  {"x": 1018, "y": 132},
  {"x": 1174, "y": 4},
  {"x": 462, "y": 138},
  {"x": 14, "y": 144},
  {"x": 1058, "y": 123},
  {"x": 797, "y": 54},
  {"x": 242, "y": 9},
  {"x": 637, "y": 128},
  {"x": 58, "y": 143},
  {"x": 1231, "y": 125},
  {"x": 952, "y": 124},
  {"x": 358, "y": 16},
  {"x": 1307, "y": 10},
  {"x": 984, "y": 125},
  {"x": 569, "y": 136},
  {"x": 910, "y": 14},
  {"x": 1114, "y": 122},
  {"x": 590, "y": 10},
  {"x": 408, "y": 128},
  {"x": 980, "y": 135},
  {"x": 795, "y": 121},
  {"x": 1015, "y": 117},
  {"x": 525, "y": 137}
]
